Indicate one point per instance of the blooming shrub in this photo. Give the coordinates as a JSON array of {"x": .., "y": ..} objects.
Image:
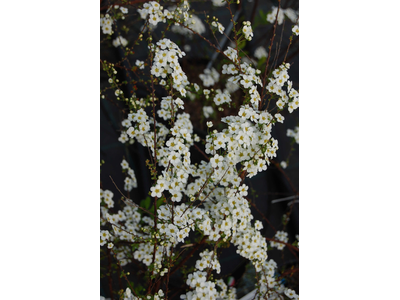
[{"x": 195, "y": 204}]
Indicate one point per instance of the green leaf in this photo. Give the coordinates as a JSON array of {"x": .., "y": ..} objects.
[
  {"x": 159, "y": 202},
  {"x": 261, "y": 63},
  {"x": 260, "y": 19},
  {"x": 134, "y": 247},
  {"x": 146, "y": 203},
  {"x": 140, "y": 288},
  {"x": 262, "y": 14}
]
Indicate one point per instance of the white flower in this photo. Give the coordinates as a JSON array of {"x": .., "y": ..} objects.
[
  {"x": 193, "y": 22},
  {"x": 156, "y": 191},
  {"x": 218, "y": 2},
  {"x": 209, "y": 124},
  {"x": 260, "y": 52},
  {"x": 295, "y": 30},
  {"x": 216, "y": 161},
  {"x": 290, "y": 293},
  {"x": 271, "y": 17},
  {"x": 222, "y": 98},
  {"x": 293, "y": 133},
  {"x": 172, "y": 230},
  {"x": 219, "y": 26},
  {"x": 120, "y": 41},
  {"x": 124, "y": 10},
  {"x": 258, "y": 225},
  {"x": 246, "y": 82},
  {"x": 232, "y": 54},
  {"x": 247, "y": 30},
  {"x": 104, "y": 234},
  {"x": 131, "y": 132},
  {"x": 291, "y": 14},
  {"x": 107, "y": 29},
  {"x": 140, "y": 64},
  {"x": 210, "y": 77},
  {"x": 207, "y": 111},
  {"x": 279, "y": 118},
  {"x": 124, "y": 164},
  {"x": 179, "y": 103}
]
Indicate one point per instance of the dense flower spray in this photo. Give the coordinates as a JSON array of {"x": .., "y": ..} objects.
[{"x": 204, "y": 203}]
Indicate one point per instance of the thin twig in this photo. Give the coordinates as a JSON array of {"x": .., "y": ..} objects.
[
  {"x": 262, "y": 215},
  {"x": 130, "y": 203},
  {"x": 269, "y": 55}
]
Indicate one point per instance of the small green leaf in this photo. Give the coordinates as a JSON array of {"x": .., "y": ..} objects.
[
  {"x": 134, "y": 247},
  {"x": 261, "y": 63},
  {"x": 146, "y": 203},
  {"x": 159, "y": 202}
]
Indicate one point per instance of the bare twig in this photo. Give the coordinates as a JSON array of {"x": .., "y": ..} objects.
[{"x": 130, "y": 203}]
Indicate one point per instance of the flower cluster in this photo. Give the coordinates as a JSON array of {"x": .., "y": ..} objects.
[
  {"x": 169, "y": 107},
  {"x": 207, "y": 111},
  {"x": 290, "y": 97},
  {"x": 193, "y": 22},
  {"x": 222, "y": 97},
  {"x": 270, "y": 286},
  {"x": 206, "y": 202},
  {"x": 107, "y": 198},
  {"x": 106, "y": 24},
  {"x": 290, "y": 13},
  {"x": 130, "y": 181},
  {"x": 208, "y": 260},
  {"x": 129, "y": 296},
  {"x": 206, "y": 289},
  {"x": 219, "y": 26},
  {"x": 247, "y": 30},
  {"x": 294, "y": 133},
  {"x": 139, "y": 64},
  {"x": 166, "y": 63},
  {"x": 104, "y": 237},
  {"x": 280, "y": 236},
  {"x": 153, "y": 11},
  {"x": 120, "y": 41},
  {"x": 260, "y": 52},
  {"x": 210, "y": 77}
]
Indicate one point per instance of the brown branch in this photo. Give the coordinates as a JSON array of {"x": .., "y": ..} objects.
[
  {"x": 212, "y": 258},
  {"x": 253, "y": 13},
  {"x": 269, "y": 55},
  {"x": 290, "y": 272},
  {"x": 286, "y": 244},
  {"x": 286, "y": 176},
  {"x": 155, "y": 168},
  {"x": 119, "y": 265},
  {"x": 203, "y": 240},
  {"x": 262, "y": 215},
  {"x": 201, "y": 151},
  {"x": 131, "y": 203},
  {"x": 109, "y": 275}
]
